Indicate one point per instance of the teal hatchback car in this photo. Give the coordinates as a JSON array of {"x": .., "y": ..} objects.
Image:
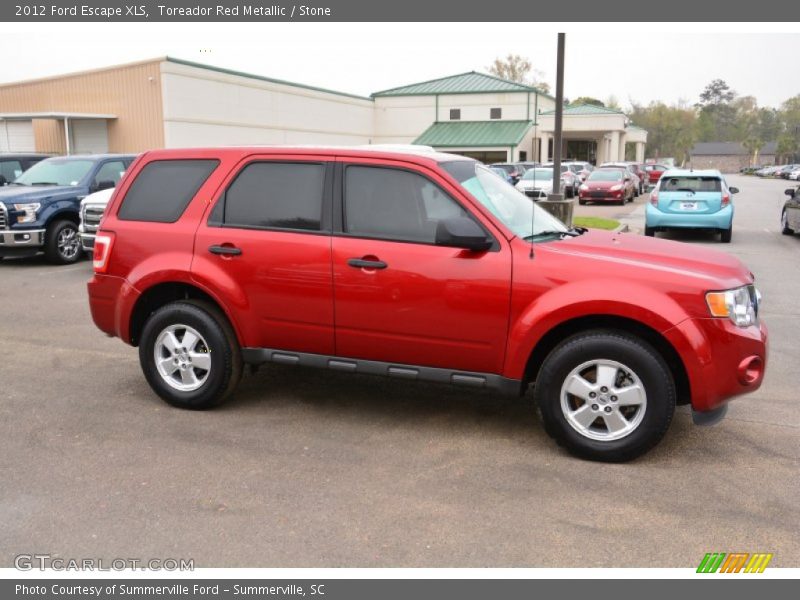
[{"x": 684, "y": 199}]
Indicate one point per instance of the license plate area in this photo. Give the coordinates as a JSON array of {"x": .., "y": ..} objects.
[{"x": 688, "y": 205}]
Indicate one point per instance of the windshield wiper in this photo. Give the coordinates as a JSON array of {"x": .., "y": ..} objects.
[{"x": 575, "y": 232}]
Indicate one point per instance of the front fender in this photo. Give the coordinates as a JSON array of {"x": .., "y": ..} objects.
[{"x": 586, "y": 298}]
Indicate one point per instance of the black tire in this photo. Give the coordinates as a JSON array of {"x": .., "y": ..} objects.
[
  {"x": 582, "y": 202},
  {"x": 635, "y": 356},
  {"x": 725, "y": 235},
  {"x": 785, "y": 229},
  {"x": 650, "y": 231},
  {"x": 225, "y": 355},
  {"x": 62, "y": 244}
]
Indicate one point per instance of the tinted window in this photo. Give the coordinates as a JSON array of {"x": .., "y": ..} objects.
[
  {"x": 691, "y": 184},
  {"x": 10, "y": 169},
  {"x": 455, "y": 114},
  {"x": 495, "y": 113},
  {"x": 163, "y": 190},
  {"x": 282, "y": 195},
  {"x": 394, "y": 204},
  {"x": 110, "y": 171}
]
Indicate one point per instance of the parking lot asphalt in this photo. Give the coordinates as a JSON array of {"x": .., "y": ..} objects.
[{"x": 310, "y": 469}]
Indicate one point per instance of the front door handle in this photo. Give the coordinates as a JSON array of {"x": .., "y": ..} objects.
[
  {"x": 225, "y": 250},
  {"x": 361, "y": 263}
]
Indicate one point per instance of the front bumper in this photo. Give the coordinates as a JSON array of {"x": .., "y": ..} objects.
[
  {"x": 87, "y": 241},
  {"x": 721, "y": 359},
  {"x": 13, "y": 241},
  {"x": 655, "y": 218}
]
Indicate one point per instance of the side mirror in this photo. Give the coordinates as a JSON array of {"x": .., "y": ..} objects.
[
  {"x": 733, "y": 190},
  {"x": 106, "y": 184},
  {"x": 790, "y": 192},
  {"x": 3, "y": 180},
  {"x": 462, "y": 232}
]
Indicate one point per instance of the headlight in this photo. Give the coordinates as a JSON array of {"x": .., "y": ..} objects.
[
  {"x": 616, "y": 188},
  {"x": 28, "y": 212},
  {"x": 740, "y": 305},
  {"x": 584, "y": 188}
]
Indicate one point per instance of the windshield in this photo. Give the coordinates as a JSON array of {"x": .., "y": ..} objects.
[
  {"x": 538, "y": 175},
  {"x": 515, "y": 210},
  {"x": 611, "y": 175},
  {"x": 56, "y": 171}
]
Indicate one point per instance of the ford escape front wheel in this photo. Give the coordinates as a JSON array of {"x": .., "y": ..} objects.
[
  {"x": 605, "y": 396},
  {"x": 189, "y": 355}
]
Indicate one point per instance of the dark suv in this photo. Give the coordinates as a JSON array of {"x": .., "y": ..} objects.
[
  {"x": 418, "y": 266},
  {"x": 40, "y": 209}
]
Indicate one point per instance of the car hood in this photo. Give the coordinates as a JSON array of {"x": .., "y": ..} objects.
[
  {"x": 601, "y": 185},
  {"x": 528, "y": 184},
  {"x": 631, "y": 254},
  {"x": 15, "y": 194}
]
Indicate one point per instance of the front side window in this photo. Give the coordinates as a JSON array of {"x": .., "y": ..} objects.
[
  {"x": 393, "y": 204},
  {"x": 10, "y": 169},
  {"x": 110, "y": 171},
  {"x": 276, "y": 195},
  {"x": 56, "y": 171},
  {"x": 163, "y": 189}
]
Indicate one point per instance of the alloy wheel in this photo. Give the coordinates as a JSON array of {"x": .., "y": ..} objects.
[{"x": 182, "y": 357}]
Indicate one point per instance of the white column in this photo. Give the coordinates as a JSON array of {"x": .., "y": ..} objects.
[
  {"x": 545, "y": 148},
  {"x": 640, "y": 152},
  {"x": 613, "y": 150},
  {"x": 622, "y": 139}
]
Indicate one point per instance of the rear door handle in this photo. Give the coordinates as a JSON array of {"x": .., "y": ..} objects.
[
  {"x": 225, "y": 250},
  {"x": 360, "y": 263}
]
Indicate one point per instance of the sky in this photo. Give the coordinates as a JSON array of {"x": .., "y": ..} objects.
[{"x": 666, "y": 62}]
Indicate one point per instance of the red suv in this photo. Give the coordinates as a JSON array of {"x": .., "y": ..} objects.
[{"x": 416, "y": 266}]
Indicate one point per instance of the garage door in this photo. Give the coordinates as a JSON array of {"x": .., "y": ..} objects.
[
  {"x": 89, "y": 136},
  {"x": 17, "y": 136}
]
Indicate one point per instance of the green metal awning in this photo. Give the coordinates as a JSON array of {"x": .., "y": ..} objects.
[{"x": 471, "y": 134}]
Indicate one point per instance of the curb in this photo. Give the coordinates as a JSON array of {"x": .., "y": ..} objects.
[{"x": 623, "y": 228}]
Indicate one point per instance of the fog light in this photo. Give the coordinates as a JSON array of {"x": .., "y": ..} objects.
[{"x": 750, "y": 370}]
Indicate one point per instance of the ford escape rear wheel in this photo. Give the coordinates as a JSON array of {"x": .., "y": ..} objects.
[
  {"x": 605, "y": 396},
  {"x": 189, "y": 355}
]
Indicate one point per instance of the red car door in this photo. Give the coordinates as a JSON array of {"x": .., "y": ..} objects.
[
  {"x": 265, "y": 249},
  {"x": 399, "y": 297}
]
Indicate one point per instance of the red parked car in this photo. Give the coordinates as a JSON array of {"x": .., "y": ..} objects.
[
  {"x": 416, "y": 266},
  {"x": 654, "y": 172},
  {"x": 607, "y": 185}
]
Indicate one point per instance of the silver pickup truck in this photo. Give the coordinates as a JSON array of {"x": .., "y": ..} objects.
[{"x": 92, "y": 208}]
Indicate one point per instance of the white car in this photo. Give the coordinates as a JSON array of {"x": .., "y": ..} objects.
[
  {"x": 536, "y": 183},
  {"x": 795, "y": 175},
  {"x": 92, "y": 208}
]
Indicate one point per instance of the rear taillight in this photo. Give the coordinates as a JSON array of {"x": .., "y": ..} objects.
[
  {"x": 726, "y": 199},
  {"x": 654, "y": 198},
  {"x": 102, "y": 251}
]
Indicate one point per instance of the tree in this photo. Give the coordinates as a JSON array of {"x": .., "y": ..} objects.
[
  {"x": 717, "y": 92},
  {"x": 613, "y": 102},
  {"x": 588, "y": 100},
  {"x": 671, "y": 129},
  {"x": 518, "y": 68}
]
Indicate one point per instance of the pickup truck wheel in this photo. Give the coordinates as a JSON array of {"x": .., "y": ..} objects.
[
  {"x": 189, "y": 355},
  {"x": 62, "y": 244},
  {"x": 605, "y": 395}
]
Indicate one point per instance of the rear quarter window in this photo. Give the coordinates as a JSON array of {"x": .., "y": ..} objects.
[{"x": 163, "y": 189}]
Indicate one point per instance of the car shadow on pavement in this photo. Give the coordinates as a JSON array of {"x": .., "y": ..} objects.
[{"x": 692, "y": 235}]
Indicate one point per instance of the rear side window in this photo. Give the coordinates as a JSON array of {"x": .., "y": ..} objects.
[
  {"x": 276, "y": 195},
  {"x": 691, "y": 184},
  {"x": 163, "y": 189},
  {"x": 394, "y": 204}
]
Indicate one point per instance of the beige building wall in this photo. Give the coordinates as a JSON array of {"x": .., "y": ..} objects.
[
  {"x": 206, "y": 107},
  {"x": 130, "y": 92}
]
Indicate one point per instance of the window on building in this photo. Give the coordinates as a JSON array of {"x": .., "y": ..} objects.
[
  {"x": 163, "y": 189},
  {"x": 523, "y": 155},
  {"x": 276, "y": 195},
  {"x": 393, "y": 204},
  {"x": 495, "y": 113},
  {"x": 455, "y": 114}
]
